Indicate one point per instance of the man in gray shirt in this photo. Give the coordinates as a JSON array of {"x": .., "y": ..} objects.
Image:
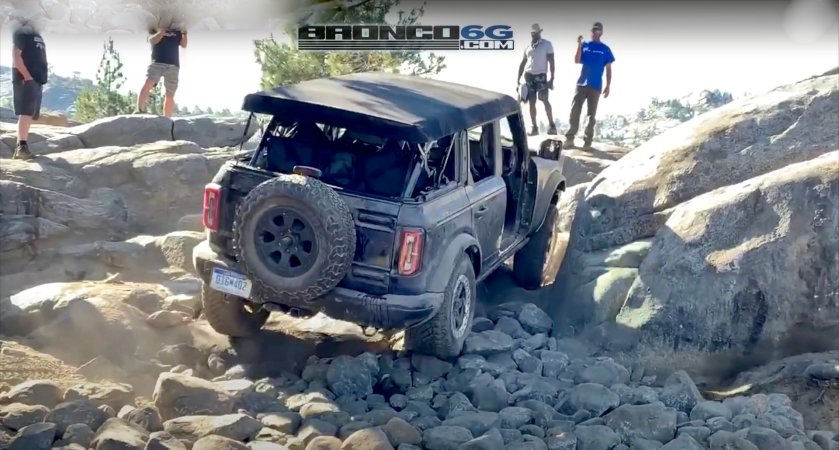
[{"x": 538, "y": 58}]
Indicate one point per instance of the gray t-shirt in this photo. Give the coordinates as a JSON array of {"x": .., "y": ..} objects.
[{"x": 537, "y": 56}]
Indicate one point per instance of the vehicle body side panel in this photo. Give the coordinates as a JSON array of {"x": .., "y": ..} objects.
[{"x": 488, "y": 205}]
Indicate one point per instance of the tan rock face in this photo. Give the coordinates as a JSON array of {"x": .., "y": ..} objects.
[{"x": 715, "y": 234}]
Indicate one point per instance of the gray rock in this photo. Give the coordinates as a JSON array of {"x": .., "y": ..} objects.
[
  {"x": 514, "y": 417},
  {"x": 481, "y": 324},
  {"x": 653, "y": 422},
  {"x": 161, "y": 440},
  {"x": 680, "y": 392},
  {"x": 606, "y": 372},
  {"x": 536, "y": 388},
  {"x": 446, "y": 437},
  {"x": 597, "y": 437},
  {"x": 488, "y": 394},
  {"x": 471, "y": 362},
  {"x": 284, "y": 422},
  {"x": 477, "y": 423},
  {"x": 369, "y": 439},
  {"x": 510, "y": 436},
  {"x": 311, "y": 429},
  {"x": 726, "y": 440},
  {"x": 561, "y": 441},
  {"x": 640, "y": 395},
  {"x": 178, "y": 395},
  {"x": 699, "y": 433},
  {"x": 534, "y": 320},
  {"x": 683, "y": 442},
  {"x": 19, "y": 415},
  {"x": 78, "y": 433},
  {"x": 257, "y": 445},
  {"x": 218, "y": 443},
  {"x": 234, "y": 426},
  {"x": 526, "y": 362},
  {"x": 553, "y": 363},
  {"x": 822, "y": 371},
  {"x": 706, "y": 410},
  {"x": 644, "y": 444},
  {"x": 532, "y": 430},
  {"x": 117, "y": 434},
  {"x": 146, "y": 417},
  {"x": 720, "y": 424},
  {"x": 79, "y": 411},
  {"x": 535, "y": 342},
  {"x": 511, "y": 327},
  {"x": 491, "y": 440},
  {"x": 766, "y": 438},
  {"x": 591, "y": 397},
  {"x": 432, "y": 367},
  {"x": 529, "y": 443},
  {"x": 400, "y": 432},
  {"x": 349, "y": 376},
  {"x": 487, "y": 343},
  {"x": 38, "y": 436},
  {"x": 34, "y": 392}
]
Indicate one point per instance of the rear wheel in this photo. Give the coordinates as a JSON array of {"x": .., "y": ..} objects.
[
  {"x": 295, "y": 238},
  {"x": 443, "y": 335},
  {"x": 231, "y": 316},
  {"x": 530, "y": 262}
]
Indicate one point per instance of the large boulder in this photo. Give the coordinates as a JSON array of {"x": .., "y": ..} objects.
[
  {"x": 629, "y": 223},
  {"x": 746, "y": 265},
  {"x": 212, "y": 132},
  {"x": 124, "y": 130}
]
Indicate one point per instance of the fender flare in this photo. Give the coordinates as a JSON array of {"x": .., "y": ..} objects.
[
  {"x": 460, "y": 244},
  {"x": 544, "y": 199}
]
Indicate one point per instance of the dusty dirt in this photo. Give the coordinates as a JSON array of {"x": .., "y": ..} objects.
[{"x": 19, "y": 363}]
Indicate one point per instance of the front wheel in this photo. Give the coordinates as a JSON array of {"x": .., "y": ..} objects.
[
  {"x": 530, "y": 262},
  {"x": 443, "y": 335},
  {"x": 231, "y": 316}
]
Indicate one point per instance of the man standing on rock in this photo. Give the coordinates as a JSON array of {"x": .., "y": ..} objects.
[
  {"x": 165, "y": 63},
  {"x": 29, "y": 76},
  {"x": 595, "y": 56},
  {"x": 537, "y": 58}
]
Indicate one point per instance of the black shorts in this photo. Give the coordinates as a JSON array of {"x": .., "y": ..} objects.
[
  {"x": 27, "y": 98},
  {"x": 537, "y": 85}
]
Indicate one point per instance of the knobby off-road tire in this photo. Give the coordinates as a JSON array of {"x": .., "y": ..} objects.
[
  {"x": 288, "y": 219},
  {"x": 530, "y": 262},
  {"x": 444, "y": 334},
  {"x": 229, "y": 315}
]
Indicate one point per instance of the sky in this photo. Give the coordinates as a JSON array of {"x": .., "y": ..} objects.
[{"x": 663, "y": 49}]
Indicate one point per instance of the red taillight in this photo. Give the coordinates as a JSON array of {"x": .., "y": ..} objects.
[
  {"x": 212, "y": 195},
  {"x": 410, "y": 251}
]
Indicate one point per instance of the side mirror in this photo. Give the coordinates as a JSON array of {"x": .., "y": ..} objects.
[{"x": 550, "y": 149}]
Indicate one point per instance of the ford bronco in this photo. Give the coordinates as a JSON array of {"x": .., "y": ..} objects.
[{"x": 379, "y": 199}]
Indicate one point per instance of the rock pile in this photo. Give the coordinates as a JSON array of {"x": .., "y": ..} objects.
[{"x": 514, "y": 387}]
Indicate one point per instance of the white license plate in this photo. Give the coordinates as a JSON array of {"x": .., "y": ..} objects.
[{"x": 230, "y": 283}]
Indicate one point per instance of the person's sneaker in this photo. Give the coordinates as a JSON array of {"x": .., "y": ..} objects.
[
  {"x": 552, "y": 130},
  {"x": 534, "y": 131},
  {"x": 569, "y": 141},
  {"x": 138, "y": 111},
  {"x": 22, "y": 152},
  {"x": 587, "y": 145}
]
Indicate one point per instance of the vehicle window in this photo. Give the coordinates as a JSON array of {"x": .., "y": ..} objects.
[
  {"x": 441, "y": 164},
  {"x": 352, "y": 160},
  {"x": 481, "y": 163}
]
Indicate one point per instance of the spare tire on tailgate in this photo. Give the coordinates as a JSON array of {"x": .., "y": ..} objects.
[{"x": 295, "y": 238}]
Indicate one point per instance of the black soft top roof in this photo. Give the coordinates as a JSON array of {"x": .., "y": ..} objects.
[{"x": 403, "y": 107}]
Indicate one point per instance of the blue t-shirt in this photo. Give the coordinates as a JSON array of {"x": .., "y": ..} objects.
[{"x": 594, "y": 57}]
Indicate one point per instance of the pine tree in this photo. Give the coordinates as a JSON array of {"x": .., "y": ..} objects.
[{"x": 105, "y": 99}]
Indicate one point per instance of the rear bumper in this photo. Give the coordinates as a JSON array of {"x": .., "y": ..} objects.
[{"x": 390, "y": 311}]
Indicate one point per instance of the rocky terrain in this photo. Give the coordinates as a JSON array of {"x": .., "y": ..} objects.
[{"x": 693, "y": 306}]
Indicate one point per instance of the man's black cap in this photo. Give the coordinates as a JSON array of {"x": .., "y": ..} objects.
[{"x": 597, "y": 26}]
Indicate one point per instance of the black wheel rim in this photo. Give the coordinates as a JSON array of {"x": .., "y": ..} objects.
[
  {"x": 286, "y": 242},
  {"x": 461, "y": 306}
]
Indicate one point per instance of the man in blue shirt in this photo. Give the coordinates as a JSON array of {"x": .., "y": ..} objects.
[{"x": 595, "y": 56}]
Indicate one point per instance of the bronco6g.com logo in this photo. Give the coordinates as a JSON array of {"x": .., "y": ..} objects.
[{"x": 404, "y": 37}]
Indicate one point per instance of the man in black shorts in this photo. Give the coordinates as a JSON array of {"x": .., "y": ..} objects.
[
  {"x": 165, "y": 63},
  {"x": 29, "y": 76},
  {"x": 537, "y": 59}
]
